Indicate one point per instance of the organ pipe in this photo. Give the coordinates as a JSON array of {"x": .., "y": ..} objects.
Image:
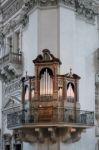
[{"x": 46, "y": 84}]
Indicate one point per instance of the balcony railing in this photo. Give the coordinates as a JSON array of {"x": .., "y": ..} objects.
[
  {"x": 50, "y": 115},
  {"x": 11, "y": 58}
]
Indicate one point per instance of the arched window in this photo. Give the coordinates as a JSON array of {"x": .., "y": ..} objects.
[
  {"x": 46, "y": 82},
  {"x": 60, "y": 91},
  {"x": 70, "y": 92},
  {"x": 26, "y": 90}
]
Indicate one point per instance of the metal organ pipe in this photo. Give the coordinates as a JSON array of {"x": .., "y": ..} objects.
[
  {"x": 51, "y": 86},
  {"x": 46, "y": 84},
  {"x": 43, "y": 84}
]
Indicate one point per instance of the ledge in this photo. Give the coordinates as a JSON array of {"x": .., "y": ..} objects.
[{"x": 50, "y": 116}]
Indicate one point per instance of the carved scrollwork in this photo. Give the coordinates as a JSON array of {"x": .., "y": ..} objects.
[
  {"x": 85, "y": 8},
  {"x": 90, "y": 14},
  {"x": 71, "y": 137},
  {"x": 70, "y": 3},
  {"x": 10, "y": 8},
  {"x": 24, "y": 20},
  {"x": 12, "y": 87},
  {"x": 44, "y": 3},
  {"x": 10, "y": 25}
]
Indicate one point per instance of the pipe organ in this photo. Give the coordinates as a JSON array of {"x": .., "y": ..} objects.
[
  {"x": 50, "y": 104},
  {"x": 48, "y": 89},
  {"x": 46, "y": 83}
]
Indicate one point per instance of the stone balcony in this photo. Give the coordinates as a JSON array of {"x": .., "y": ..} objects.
[
  {"x": 38, "y": 123},
  {"x": 49, "y": 117},
  {"x": 50, "y": 104},
  {"x": 10, "y": 66}
]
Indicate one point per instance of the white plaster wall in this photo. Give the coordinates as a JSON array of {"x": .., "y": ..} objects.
[
  {"x": 67, "y": 39},
  {"x": 87, "y": 142},
  {"x": 86, "y": 45},
  {"x": 29, "y": 43},
  {"x": 41, "y": 33},
  {"x": 78, "y": 42},
  {"x": 29, "y": 146},
  {"x": 48, "y": 30},
  {"x": 47, "y": 145}
]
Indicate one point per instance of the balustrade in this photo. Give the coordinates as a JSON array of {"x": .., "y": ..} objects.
[{"x": 50, "y": 115}]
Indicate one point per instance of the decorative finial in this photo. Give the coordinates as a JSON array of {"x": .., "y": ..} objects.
[
  {"x": 26, "y": 74},
  {"x": 71, "y": 75}
]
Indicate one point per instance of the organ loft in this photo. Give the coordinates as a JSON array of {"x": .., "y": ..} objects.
[{"x": 50, "y": 104}]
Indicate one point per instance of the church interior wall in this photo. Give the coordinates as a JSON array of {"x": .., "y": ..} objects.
[{"x": 29, "y": 43}]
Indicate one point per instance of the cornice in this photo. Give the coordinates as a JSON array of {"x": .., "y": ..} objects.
[{"x": 86, "y": 9}]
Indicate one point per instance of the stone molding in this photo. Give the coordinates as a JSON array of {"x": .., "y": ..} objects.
[
  {"x": 11, "y": 93},
  {"x": 10, "y": 8},
  {"x": 82, "y": 7},
  {"x": 71, "y": 137},
  {"x": 86, "y": 9},
  {"x": 12, "y": 87},
  {"x": 51, "y": 133},
  {"x": 12, "y": 24}
]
